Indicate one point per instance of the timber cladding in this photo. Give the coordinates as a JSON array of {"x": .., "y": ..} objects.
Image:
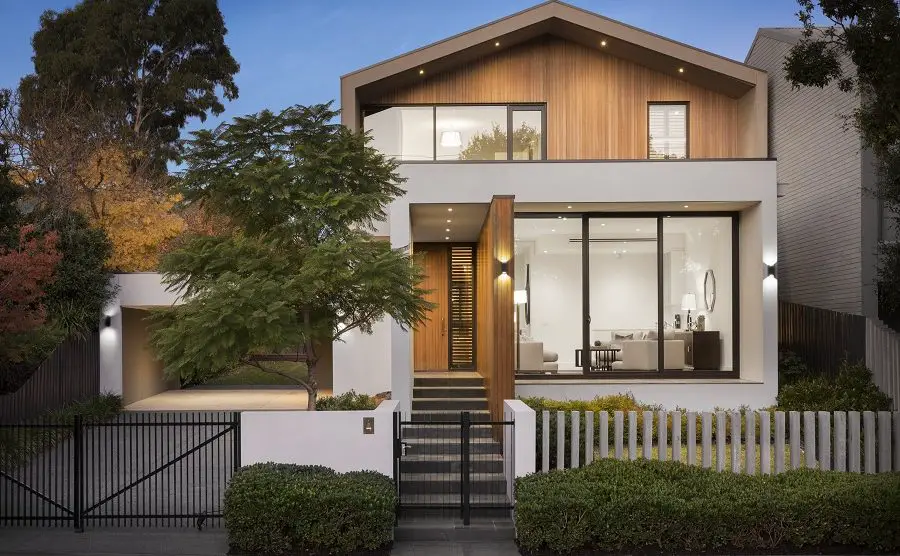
[
  {"x": 596, "y": 103},
  {"x": 495, "y": 336}
]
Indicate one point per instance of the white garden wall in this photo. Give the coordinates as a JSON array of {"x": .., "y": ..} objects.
[{"x": 334, "y": 439}]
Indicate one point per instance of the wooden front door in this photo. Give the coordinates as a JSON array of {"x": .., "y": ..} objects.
[{"x": 430, "y": 342}]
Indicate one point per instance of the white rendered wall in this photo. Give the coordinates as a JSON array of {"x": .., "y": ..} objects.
[
  {"x": 334, "y": 439},
  {"x": 748, "y": 181},
  {"x": 359, "y": 362},
  {"x": 139, "y": 289}
]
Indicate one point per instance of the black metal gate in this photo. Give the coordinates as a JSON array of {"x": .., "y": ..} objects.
[
  {"x": 140, "y": 469},
  {"x": 453, "y": 464}
]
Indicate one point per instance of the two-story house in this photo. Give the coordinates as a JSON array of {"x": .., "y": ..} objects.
[
  {"x": 594, "y": 209},
  {"x": 576, "y": 189}
]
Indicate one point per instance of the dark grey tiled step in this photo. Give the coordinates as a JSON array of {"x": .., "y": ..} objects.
[
  {"x": 449, "y": 463},
  {"x": 425, "y": 430},
  {"x": 451, "y": 483},
  {"x": 478, "y": 447},
  {"x": 450, "y": 404},
  {"x": 424, "y": 392},
  {"x": 444, "y": 381},
  {"x": 444, "y": 415},
  {"x": 450, "y": 500}
]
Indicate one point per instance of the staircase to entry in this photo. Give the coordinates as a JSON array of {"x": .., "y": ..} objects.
[{"x": 431, "y": 468}]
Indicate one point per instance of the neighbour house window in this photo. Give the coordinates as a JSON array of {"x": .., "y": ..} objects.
[
  {"x": 458, "y": 132},
  {"x": 667, "y": 131}
]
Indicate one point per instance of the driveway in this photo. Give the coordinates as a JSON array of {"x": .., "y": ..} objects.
[{"x": 227, "y": 398}]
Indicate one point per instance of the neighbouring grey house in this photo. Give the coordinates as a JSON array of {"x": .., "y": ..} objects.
[{"x": 829, "y": 226}]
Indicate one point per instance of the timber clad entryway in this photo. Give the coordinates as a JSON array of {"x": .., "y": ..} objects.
[{"x": 446, "y": 339}]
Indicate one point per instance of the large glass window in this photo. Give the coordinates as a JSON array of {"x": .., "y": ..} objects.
[
  {"x": 447, "y": 133},
  {"x": 548, "y": 285},
  {"x": 611, "y": 294},
  {"x": 667, "y": 131},
  {"x": 404, "y": 132},
  {"x": 698, "y": 269},
  {"x": 623, "y": 295}
]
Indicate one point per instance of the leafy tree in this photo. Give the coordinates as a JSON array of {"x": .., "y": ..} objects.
[
  {"x": 24, "y": 273},
  {"x": 859, "y": 49},
  {"x": 299, "y": 270},
  {"x": 486, "y": 145},
  {"x": 9, "y": 191},
  {"x": 82, "y": 288},
  {"x": 151, "y": 63}
]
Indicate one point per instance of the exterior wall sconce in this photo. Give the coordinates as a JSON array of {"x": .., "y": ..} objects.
[
  {"x": 504, "y": 268},
  {"x": 771, "y": 270},
  {"x": 107, "y": 321}
]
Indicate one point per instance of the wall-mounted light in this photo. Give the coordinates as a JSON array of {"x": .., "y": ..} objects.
[
  {"x": 107, "y": 321},
  {"x": 504, "y": 268},
  {"x": 770, "y": 270}
]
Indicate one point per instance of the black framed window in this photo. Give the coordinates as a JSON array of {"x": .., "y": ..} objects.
[
  {"x": 667, "y": 130},
  {"x": 458, "y": 132},
  {"x": 613, "y": 295}
]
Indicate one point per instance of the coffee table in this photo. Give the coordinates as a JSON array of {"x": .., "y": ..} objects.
[{"x": 601, "y": 357}]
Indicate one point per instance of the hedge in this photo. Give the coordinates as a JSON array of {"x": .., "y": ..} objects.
[
  {"x": 348, "y": 401},
  {"x": 275, "y": 509},
  {"x": 665, "y": 507}
]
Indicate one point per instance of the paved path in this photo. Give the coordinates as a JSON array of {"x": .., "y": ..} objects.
[{"x": 188, "y": 542}]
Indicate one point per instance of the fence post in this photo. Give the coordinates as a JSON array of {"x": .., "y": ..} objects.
[
  {"x": 750, "y": 442},
  {"x": 545, "y": 441},
  {"x": 619, "y": 432},
  {"x": 632, "y": 435},
  {"x": 560, "y": 440},
  {"x": 869, "y": 442},
  {"x": 465, "y": 423},
  {"x": 236, "y": 441},
  {"x": 765, "y": 441},
  {"x": 662, "y": 434},
  {"x": 721, "y": 431},
  {"x": 840, "y": 441},
  {"x": 779, "y": 441},
  {"x": 588, "y": 437},
  {"x": 604, "y": 434},
  {"x": 77, "y": 472},
  {"x": 576, "y": 439},
  {"x": 735, "y": 441},
  {"x": 824, "y": 441},
  {"x": 676, "y": 436},
  {"x": 809, "y": 432},
  {"x": 691, "y": 438},
  {"x": 854, "y": 454},
  {"x": 884, "y": 441},
  {"x": 648, "y": 434},
  {"x": 795, "y": 439},
  {"x": 706, "y": 447}
]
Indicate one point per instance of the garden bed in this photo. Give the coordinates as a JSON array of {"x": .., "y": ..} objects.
[{"x": 651, "y": 507}]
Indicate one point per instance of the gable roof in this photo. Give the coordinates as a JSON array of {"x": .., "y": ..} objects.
[{"x": 703, "y": 68}]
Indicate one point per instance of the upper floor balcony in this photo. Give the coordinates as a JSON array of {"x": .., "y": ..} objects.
[{"x": 558, "y": 83}]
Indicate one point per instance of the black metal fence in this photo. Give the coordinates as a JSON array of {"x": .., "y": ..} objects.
[
  {"x": 822, "y": 338},
  {"x": 453, "y": 464},
  {"x": 70, "y": 374},
  {"x": 140, "y": 469}
]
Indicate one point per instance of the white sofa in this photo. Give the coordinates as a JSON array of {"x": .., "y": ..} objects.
[
  {"x": 533, "y": 358},
  {"x": 643, "y": 355}
]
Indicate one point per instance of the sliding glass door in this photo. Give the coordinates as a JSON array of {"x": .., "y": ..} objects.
[{"x": 615, "y": 294}]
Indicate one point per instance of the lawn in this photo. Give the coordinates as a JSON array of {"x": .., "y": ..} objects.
[
  {"x": 249, "y": 375},
  {"x": 714, "y": 458}
]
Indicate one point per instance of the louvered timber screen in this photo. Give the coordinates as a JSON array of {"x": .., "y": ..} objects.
[{"x": 462, "y": 307}]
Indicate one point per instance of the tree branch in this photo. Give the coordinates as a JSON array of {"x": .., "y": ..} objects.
[{"x": 264, "y": 369}]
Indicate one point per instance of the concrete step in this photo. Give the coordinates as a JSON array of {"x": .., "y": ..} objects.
[
  {"x": 445, "y": 416},
  {"x": 451, "y": 483},
  {"x": 423, "y": 392},
  {"x": 450, "y": 404},
  {"x": 449, "y": 463},
  {"x": 425, "y": 430},
  {"x": 451, "y": 529},
  {"x": 467, "y": 379},
  {"x": 477, "y": 447}
]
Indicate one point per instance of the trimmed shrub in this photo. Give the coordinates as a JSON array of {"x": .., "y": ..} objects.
[
  {"x": 851, "y": 390},
  {"x": 791, "y": 367},
  {"x": 663, "y": 507},
  {"x": 349, "y": 401},
  {"x": 273, "y": 509}
]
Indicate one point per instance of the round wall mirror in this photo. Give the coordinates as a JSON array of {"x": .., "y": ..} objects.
[{"x": 709, "y": 290}]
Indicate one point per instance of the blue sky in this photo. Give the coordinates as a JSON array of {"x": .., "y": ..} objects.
[{"x": 294, "y": 51}]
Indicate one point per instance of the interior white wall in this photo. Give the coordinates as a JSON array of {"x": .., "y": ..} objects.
[
  {"x": 134, "y": 289},
  {"x": 746, "y": 181}
]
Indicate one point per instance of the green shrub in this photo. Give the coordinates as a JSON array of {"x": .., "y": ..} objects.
[
  {"x": 280, "y": 508},
  {"x": 651, "y": 506},
  {"x": 20, "y": 445},
  {"x": 851, "y": 390},
  {"x": 790, "y": 367},
  {"x": 349, "y": 401}
]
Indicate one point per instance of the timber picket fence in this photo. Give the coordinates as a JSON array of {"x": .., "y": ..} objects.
[{"x": 752, "y": 442}]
